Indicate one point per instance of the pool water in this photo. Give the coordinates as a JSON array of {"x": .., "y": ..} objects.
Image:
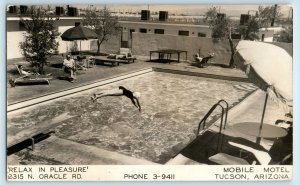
[{"x": 172, "y": 106}]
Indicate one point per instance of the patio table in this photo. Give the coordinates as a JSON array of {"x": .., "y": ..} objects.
[
  {"x": 252, "y": 129},
  {"x": 168, "y": 52}
]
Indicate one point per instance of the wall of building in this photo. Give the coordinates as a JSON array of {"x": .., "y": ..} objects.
[
  {"x": 12, "y": 25},
  {"x": 268, "y": 35},
  {"x": 113, "y": 45},
  {"x": 15, "y": 37},
  {"x": 143, "y": 43},
  {"x": 13, "y": 41},
  {"x": 169, "y": 29}
]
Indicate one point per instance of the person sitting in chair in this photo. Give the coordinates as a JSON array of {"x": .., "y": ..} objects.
[
  {"x": 26, "y": 73},
  {"x": 69, "y": 67},
  {"x": 197, "y": 57},
  {"x": 133, "y": 96},
  {"x": 202, "y": 61}
]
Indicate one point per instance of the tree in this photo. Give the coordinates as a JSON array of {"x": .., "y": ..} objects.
[
  {"x": 268, "y": 15},
  {"x": 103, "y": 23},
  {"x": 264, "y": 18},
  {"x": 39, "y": 39},
  {"x": 286, "y": 35},
  {"x": 221, "y": 28},
  {"x": 249, "y": 31}
]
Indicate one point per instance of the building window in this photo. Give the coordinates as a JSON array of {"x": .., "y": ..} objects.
[
  {"x": 184, "y": 33},
  {"x": 159, "y": 31},
  {"x": 143, "y": 30},
  {"x": 201, "y": 34}
]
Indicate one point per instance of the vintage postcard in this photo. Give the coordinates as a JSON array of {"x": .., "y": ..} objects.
[{"x": 149, "y": 92}]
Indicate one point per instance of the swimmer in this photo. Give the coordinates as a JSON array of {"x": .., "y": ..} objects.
[{"x": 133, "y": 96}]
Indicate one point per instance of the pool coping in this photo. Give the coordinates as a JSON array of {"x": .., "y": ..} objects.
[
  {"x": 58, "y": 94},
  {"x": 199, "y": 74}
]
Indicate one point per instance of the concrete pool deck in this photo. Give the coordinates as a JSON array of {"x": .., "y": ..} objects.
[
  {"x": 251, "y": 110},
  {"x": 84, "y": 77}
]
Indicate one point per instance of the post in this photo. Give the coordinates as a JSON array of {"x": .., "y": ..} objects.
[{"x": 262, "y": 120}]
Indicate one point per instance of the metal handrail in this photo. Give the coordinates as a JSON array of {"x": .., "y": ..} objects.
[
  {"x": 203, "y": 121},
  {"x": 226, "y": 113}
]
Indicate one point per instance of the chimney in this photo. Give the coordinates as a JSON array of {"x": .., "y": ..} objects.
[
  {"x": 163, "y": 15},
  {"x": 145, "y": 15}
]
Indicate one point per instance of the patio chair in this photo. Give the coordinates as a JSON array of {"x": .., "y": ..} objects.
[
  {"x": 263, "y": 157},
  {"x": 80, "y": 62},
  {"x": 282, "y": 147},
  {"x": 202, "y": 61},
  {"x": 30, "y": 78},
  {"x": 91, "y": 61},
  {"x": 226, "y": 159},
  {"x": 125, "y": 54}
]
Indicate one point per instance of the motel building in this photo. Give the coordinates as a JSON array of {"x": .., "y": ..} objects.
[{"x": 141, "y": 33}]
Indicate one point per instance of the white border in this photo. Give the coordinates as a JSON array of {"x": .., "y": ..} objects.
[{"x": 295, "y": 57}]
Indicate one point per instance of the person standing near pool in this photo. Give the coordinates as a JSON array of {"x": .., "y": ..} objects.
[{"x": 133, "y": 96}]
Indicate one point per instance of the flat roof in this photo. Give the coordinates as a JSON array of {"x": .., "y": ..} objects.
[
  {"x": 150, "y": 22},
  {"x": 166, "y": 23}
]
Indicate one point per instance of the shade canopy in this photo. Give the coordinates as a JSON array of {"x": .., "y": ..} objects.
[
  {"x": 268, "y": 66},
  {"x": 78, "y": 33}
]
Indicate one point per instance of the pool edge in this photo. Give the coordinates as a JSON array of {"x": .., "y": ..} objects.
[{"x": 58, "y": 94}]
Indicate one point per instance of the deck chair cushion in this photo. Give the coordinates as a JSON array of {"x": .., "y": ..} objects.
[
  {"x": 225, "y": 159},
  {"x": 263, "y": 157},
  {"x": 125, "y": 52},
  {"x": 27, "y": 78}
]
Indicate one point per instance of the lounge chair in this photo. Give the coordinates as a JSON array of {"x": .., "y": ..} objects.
[
  {"x": 126, "y": 55},
  {"x": 202, "y": 61},
  {"x": 283, "y": 147},
  {"x": 29, "y": 78},
  {"x": 226, "y": 159},
  {"x": 263, "y": 157},
  {"x": 107, "y": 60}
]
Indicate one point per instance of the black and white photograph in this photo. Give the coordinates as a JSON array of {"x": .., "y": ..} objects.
[{"x": 161, "y": 88}]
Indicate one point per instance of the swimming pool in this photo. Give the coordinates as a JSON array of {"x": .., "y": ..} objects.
[{"x": 172, "y": 106}]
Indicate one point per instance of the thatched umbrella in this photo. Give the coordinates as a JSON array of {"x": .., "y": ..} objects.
[{"x": 78, "y": 33}]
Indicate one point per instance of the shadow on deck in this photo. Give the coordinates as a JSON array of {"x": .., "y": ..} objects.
[{"x": 211, "y": 143}]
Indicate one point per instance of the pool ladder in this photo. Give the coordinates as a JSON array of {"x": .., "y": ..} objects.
[{"x": 224, "y": 113}]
